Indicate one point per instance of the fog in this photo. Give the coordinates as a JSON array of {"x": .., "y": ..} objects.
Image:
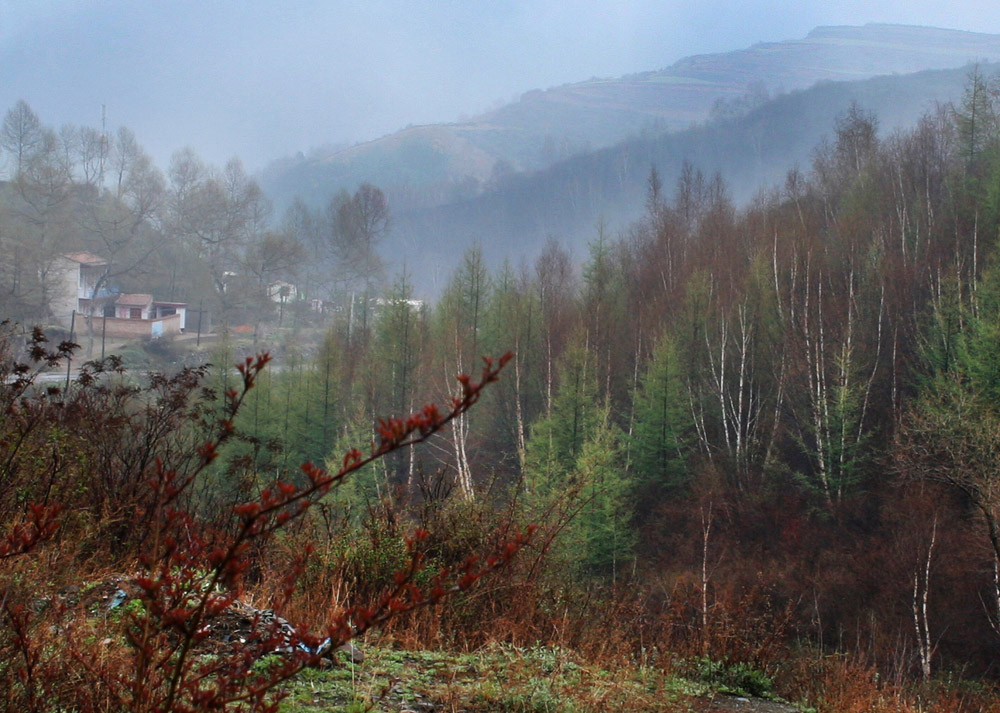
[{"x": 264, "y": 79}]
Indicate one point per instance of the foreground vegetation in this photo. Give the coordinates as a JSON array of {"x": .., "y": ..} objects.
[
  {"x": 748, "y": 446},
  {"x": 556, "y": 680},
  {"x": 501, "y": 678}
]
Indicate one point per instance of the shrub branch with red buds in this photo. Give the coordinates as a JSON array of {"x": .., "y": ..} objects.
[{"x": 189, "y": 579}]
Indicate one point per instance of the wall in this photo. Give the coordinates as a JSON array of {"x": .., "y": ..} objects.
[
  {"x": 136, "y": 328},
  {"x": 63, "y": 278}
]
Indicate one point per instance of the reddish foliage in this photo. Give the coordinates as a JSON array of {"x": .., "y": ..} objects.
[{"x": 191, "y": 574}]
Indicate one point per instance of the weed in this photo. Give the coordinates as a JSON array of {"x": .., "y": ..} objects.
[
  {"x": 190, "y": 570},
  {"x": 738, "y": 678}
]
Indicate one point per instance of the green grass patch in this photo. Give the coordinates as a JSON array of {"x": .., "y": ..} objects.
[{"x": 500, "y": 678}]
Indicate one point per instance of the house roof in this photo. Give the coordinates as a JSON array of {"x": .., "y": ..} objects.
[
  {"x": 86, "y": 258},
  {"x": 134, "y": 300},
  {"x": 161, "y": 303}
]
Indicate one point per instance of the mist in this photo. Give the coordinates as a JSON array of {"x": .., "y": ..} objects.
[{"x": 263, "y": 80}]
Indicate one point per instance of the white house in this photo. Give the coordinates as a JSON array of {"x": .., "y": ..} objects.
[
  {"x": 138, "y": 314},
  {"x": 116, "y": 315},
  {"x": 73, "y": 278},
  {"x": 281, "y": 291}
]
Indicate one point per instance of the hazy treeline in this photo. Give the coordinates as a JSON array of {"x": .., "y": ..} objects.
[
  {"x": 752, "y": 145},
  {"x": 197, "y": 233}
]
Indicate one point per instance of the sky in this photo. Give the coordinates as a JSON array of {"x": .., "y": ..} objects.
[{"x": 265, "y": 79}]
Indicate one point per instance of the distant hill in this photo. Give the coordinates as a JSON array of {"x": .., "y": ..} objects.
[
  {"x": 566, "y": 200},
  {"x": 434, "y": 165}
]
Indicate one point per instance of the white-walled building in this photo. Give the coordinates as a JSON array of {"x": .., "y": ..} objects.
[{"x": 75, "y": 275}]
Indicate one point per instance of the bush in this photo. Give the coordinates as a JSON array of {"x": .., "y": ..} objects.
[
  {"x": 190, "y": 571},
  {"x": 738, "y": 678}
]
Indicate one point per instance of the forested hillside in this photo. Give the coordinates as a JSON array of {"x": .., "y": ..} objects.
[
  {"x": 423, "y": 166},
  {"x": 755, "y": 438},
  {"x": 773, "y": 419},
  {"x": 752, "y": 150}
]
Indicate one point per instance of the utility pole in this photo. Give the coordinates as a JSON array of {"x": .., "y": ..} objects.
[
  {"x": 197, "y": 342},
  {"x": 104, "y": 140},
  {"x": 69, "y": 356}
]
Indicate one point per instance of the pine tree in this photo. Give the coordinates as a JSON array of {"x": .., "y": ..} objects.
[
  {"x": 662, "y": 419},
  {"x": 603, "y": 526},
  {"x": 557, "y": 440}
]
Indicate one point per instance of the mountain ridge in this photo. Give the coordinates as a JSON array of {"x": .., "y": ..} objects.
[
  {"x": 606, "y": 187},
  {"x": 438, "y": 163}
]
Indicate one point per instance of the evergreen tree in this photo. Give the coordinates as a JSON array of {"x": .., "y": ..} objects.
[
  {"x": 458, "y": 325},
  {"x": 603, "y": 525},
  {"x": 604, "y": 300},
  {"x": 513, "y": 323},
  {"x": 369, "y": 485},
  {"x": 399, "y": 331},
  {"x": 557, "y": 440},
  {"x": 976, "y": 117},
  {"x": 662, "y": 419}
]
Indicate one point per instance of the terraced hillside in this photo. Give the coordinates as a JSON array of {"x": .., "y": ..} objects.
[{"x": 431, "y": 165}]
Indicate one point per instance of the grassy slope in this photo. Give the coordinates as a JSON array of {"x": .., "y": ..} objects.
[{"x": 504, "y": 678}]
